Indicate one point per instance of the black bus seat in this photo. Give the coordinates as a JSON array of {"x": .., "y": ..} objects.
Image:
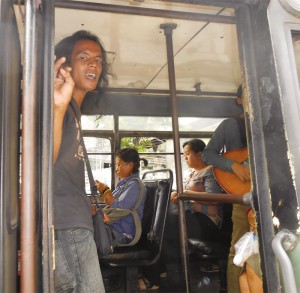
[
  {"x": 215, "y": 251},
  {"x": 148, "y": 249}
]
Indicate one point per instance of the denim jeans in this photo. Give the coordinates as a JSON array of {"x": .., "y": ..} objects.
[{"x": 77, "y": 267}]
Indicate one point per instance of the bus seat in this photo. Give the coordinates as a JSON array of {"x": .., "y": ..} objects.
[
  {"x": 215, "y": 251},
  {"x": 148, "y": 250}
]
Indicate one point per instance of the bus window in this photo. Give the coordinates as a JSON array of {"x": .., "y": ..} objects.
[
  {"x": 100, "y": 156},
  {"x": 159, "y": 151},
  {"x": 97, "y": 122},
  {"x": 165, "y": 123},
  {"x": 145, "y": 123}
]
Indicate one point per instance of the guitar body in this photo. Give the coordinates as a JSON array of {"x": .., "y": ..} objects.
[{"x": 229, "y": 181}]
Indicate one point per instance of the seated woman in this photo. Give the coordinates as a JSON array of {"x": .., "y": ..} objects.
[
  {"x": 203, "y": 220},
  {"x": 126, "y": 194},
  {"x": 206, "y": 217}
]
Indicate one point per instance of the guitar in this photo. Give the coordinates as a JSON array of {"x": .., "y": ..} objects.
[{"x": 229, "y": 181}]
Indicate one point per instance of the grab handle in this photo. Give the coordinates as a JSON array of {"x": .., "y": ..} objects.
[{"x": 283, "y": 239}]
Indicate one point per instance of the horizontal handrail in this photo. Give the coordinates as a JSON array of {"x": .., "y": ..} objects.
[{"x": 244, "y": 199}]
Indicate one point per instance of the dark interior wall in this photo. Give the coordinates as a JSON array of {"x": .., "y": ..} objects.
[
  {"x": 160, "y": 105},
  {"x": 10, "y": 70}
]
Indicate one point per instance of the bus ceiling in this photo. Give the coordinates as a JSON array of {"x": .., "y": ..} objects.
[{"x": 205, "y": 42}]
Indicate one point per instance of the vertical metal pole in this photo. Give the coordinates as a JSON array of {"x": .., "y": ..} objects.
[
  {"x": 45, "y": 41},
  {"x": 28, "y": 209},
  {"x": 168, "y": 29},
  {"x": 116, "y": 147}
]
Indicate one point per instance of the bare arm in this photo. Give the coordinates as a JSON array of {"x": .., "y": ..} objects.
[{"x": 63, "y": 90}]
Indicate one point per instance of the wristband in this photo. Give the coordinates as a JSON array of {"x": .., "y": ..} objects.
[{"x": 106, "y": 190}]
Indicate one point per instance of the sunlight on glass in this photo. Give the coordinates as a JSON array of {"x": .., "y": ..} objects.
[
  {"x": 145, "y": 123},
  {"x": 199, "y": 124},
  {"x": 97, "y": 144},
  {"x": 99, "y": 152},
  {"x": 96, "y": 122},
  {"x": 165, "y": 123},
  {"x": 296, "y": 44}
]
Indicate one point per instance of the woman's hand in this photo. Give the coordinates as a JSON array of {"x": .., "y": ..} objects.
[
  {"x": 106, "y": 194},
  {"x": 101, "y": 186},
  {"x": 105, "y": 218},
  {"x": 174, "y": 197}
]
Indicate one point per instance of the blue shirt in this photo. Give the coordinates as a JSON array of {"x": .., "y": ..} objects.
[{"x": 126, "y": 197}]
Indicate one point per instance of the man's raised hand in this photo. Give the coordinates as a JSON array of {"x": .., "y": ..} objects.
[{"x": 63, "y": 84}]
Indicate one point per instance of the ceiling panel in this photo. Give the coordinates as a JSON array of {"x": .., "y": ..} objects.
[{"x": 204, "y": 52}]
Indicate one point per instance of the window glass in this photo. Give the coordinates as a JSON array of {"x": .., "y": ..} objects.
[
  {"x": 96, "y": 122},
  {"x": 145, "y": 123},
  {"x": 100, "y": 157},
  {"x": 296, "y": 44},
  {"x": 165, "y": 123},
  {"x": 159, "y": 152},
  {"x": 97, "y": 144},
  {"x": 199, "y": 124}
]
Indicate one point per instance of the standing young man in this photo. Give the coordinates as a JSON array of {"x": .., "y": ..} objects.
[
  {"x": 80, "y": 67},
  {"x": 231, "y": 135}
]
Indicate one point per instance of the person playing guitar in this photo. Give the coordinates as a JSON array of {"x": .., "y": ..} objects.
[{"x": 231, "y": 135}]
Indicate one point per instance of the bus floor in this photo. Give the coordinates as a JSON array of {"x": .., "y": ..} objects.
[{"x": 173, "y": 282}]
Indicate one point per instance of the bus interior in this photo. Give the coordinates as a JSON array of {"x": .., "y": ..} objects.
[{"x": 175, "y": 67}]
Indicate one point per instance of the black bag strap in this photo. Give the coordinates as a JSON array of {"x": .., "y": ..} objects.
[{"x": 93, "y": 187}]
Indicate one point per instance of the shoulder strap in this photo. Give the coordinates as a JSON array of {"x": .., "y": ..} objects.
[
  {"x": 141, "y": 195},
  {"x": 138, "y": 229},
  {"x": 136, "y": 218},
  {"x": 94, "y": 189},
  {"x": 116, "y": 214}
]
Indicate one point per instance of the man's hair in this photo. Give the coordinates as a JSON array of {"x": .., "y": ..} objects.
[
  {"x": 239, "y": 92},
  {"x": 65, "y": 48},
  {"x": 196, "y": 145}
]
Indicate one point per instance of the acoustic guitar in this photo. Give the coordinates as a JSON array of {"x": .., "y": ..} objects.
[{"x": 229, "y": 181}]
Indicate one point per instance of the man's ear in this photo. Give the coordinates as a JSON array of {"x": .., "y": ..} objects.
[{"x": 239, "y": 101}]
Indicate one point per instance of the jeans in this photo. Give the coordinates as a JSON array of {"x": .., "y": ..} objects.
[
  {"x": 240, "y": 227},
  {"x": 77, "y": 267}
]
